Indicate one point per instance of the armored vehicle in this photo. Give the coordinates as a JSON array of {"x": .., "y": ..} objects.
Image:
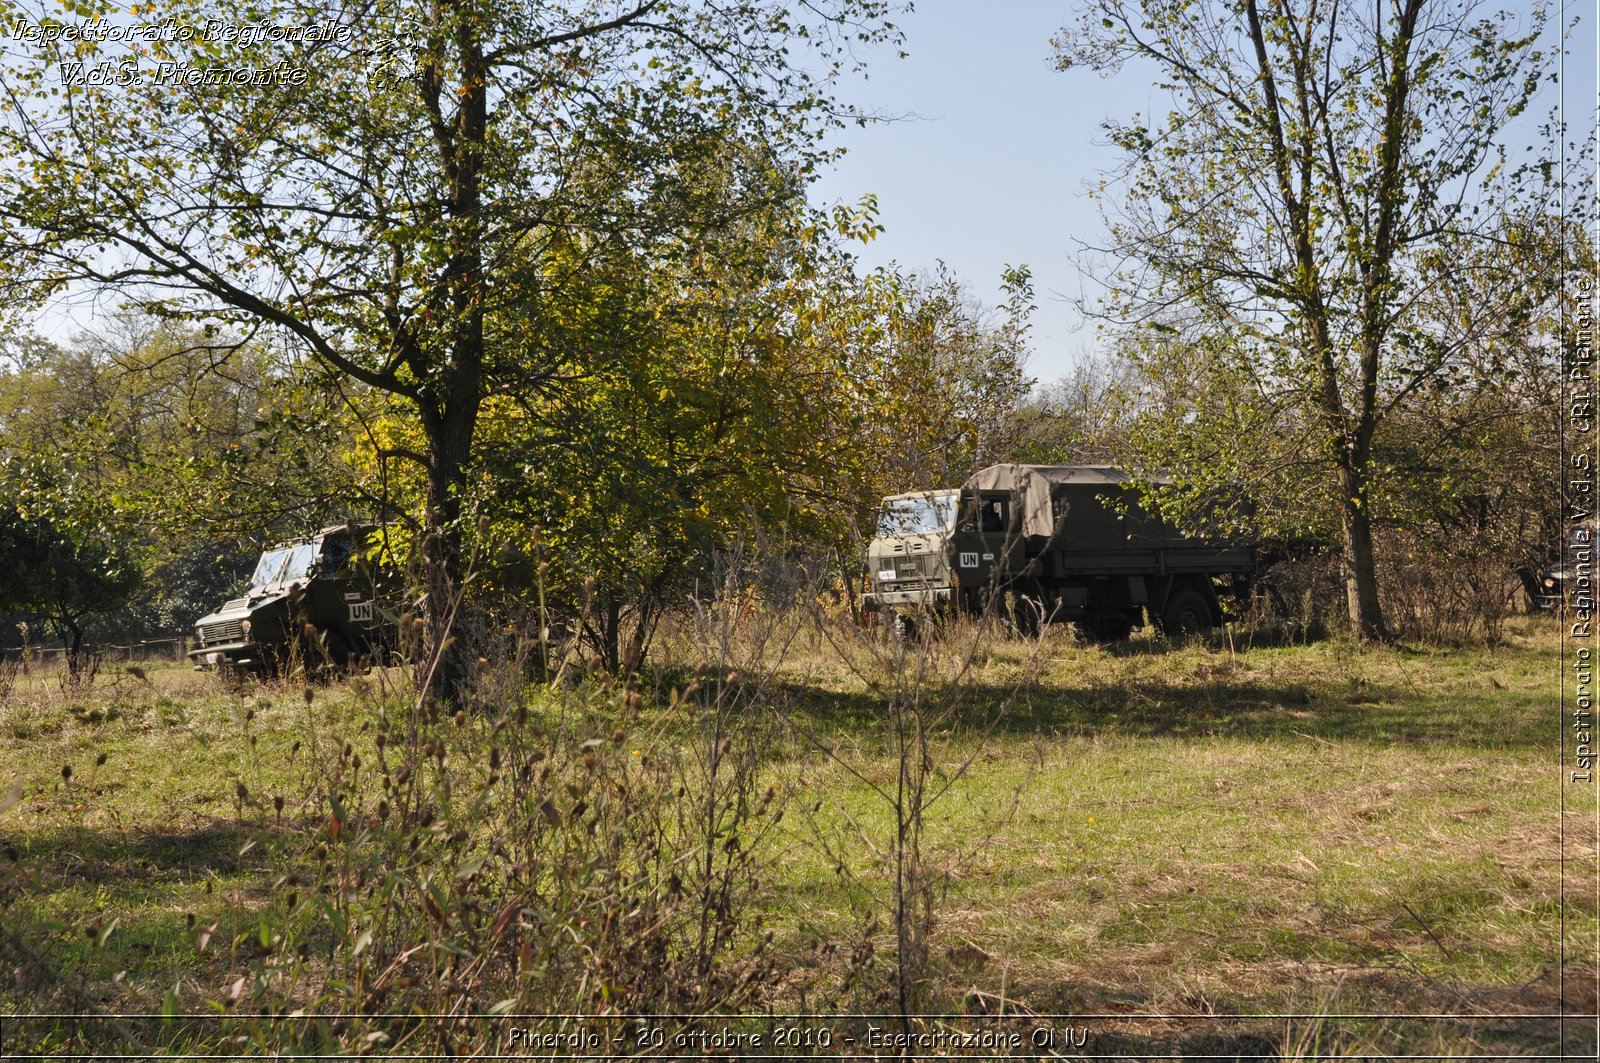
[
  {"x": 1570, "y": 581},
  {"x": 1053, "y": 542},
  {"x": 311, "y": 604}
]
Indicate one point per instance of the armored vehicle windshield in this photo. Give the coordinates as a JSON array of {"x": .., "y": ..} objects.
[{"x": 284, "y": 564}]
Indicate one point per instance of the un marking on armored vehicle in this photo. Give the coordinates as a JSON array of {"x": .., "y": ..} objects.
[
  {"x": 311, "y": 604},
  {"x": 1054, "y": 542}
]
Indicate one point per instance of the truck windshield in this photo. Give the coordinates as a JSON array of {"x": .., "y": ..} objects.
[
  {"x": 284, "y": 564},
  {"x": 918, "y": 516}
]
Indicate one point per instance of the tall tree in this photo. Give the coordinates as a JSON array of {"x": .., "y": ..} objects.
[
  {"x": 692, "y": 409},
  {"x": 931, "y": 379},
  {"x": 1324, "y": 166},
  {"x": 379, "y": 198},
  {"x": 62, "y": 555}
]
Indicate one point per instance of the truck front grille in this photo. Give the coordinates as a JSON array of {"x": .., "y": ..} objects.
[{"x": 225, "y": 631}]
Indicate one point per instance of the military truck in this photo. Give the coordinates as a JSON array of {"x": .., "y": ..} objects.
[
  {"x": 1044, "y": 543},
  {"x": 311, "y": 604}
]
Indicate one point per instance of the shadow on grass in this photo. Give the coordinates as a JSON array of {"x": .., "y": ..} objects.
[
  {"x": 1243, "y": 707},
  {"x": 109, "y": 918},
  {"x": 135, "y": 858}
]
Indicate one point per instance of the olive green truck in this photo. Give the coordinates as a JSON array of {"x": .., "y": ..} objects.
[{"x": 1045, "y": 543}]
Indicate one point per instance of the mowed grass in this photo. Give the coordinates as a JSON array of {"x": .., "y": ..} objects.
[{"x": 1142, "y": 830}]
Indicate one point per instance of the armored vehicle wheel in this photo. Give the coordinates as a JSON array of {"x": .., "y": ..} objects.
[
  {"x": 272, "y": 663},
  {"x": 1188, "y": 613},
  {"x": 232, "y": 676},
  {"x": 340, "y": 657},
  {"x": 327, "y": 657}
]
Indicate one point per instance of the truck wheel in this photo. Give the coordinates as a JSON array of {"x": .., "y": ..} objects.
[
  {"x": 1024, "y": 616},
  {"x": 274, "y": 663},
  {"x": 1103, "y": 629},
  {"x": 902, "y": 626},
  {"x": 896, "y": 623},
  {"x": 1188, "y": 613},
  {"x": 232, "y": 676}
]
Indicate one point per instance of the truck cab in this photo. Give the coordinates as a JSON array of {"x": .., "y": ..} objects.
[
  {"x": 941, "y": 550},
  {"x": 908, "y": 562}
]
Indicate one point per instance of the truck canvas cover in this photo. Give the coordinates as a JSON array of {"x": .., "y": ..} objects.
[
  {"x": 1046, "y": 492},
  {"x": 1088, "y": 507}
]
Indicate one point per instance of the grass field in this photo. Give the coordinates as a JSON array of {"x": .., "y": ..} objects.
[{"x": 1216, "y": 832}]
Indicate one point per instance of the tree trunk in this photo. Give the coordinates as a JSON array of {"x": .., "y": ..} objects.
[
  {"x": 71, "y": 634},
  {"x": 449, "y": 447},
  {"x": 450, "y": 405},
  {"x": 1360, "y": 568},
  {"x": 611, "y": 633}
]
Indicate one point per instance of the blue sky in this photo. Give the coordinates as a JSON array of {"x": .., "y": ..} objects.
[
  {"x": 990, "y": 164},
  {"x": 990, "y": 153}
]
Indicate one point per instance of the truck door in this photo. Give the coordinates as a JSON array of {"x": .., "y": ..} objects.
[{"x": 990, "y": 549}]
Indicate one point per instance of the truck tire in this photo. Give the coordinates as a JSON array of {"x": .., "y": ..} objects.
[
  {"x": 899, "y": 624},
  {"x": 1023, "y": 616},
  {"x": 233, "y": 676},
  {"x": 322, "y": 658},
  {"x": 1101, "y": 630},
  {"x": 1187, "y": 613}
]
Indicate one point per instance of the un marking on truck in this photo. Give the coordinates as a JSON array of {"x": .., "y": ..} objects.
[{"x": 969, "y": 560}]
